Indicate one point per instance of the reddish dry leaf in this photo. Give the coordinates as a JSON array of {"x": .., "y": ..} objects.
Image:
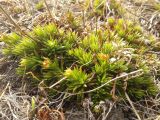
[{"x": 45, "y": 113}]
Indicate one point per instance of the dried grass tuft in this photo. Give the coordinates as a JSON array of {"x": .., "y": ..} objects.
[{"x": 14, "y": 105}]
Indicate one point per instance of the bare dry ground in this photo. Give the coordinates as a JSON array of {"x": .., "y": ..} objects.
[{"x": 16, "y": 97}]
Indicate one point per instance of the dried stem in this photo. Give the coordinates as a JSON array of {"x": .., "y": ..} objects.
[
  {"x": 14, "y": 23},
  {"x": 129, "y": 76},
  {"x": 133, "y": 108},
  {"x": 50, "y": 14},
  {"x": 57, "y": 82},
  {"x": 11, "y": 20}
]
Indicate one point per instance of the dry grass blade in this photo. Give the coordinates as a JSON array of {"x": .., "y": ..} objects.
[
  {"x": 14, "y": 106},
  {"x": 11, "y": 20},
  {"x": 133, "y": 108},
  {"x": 4, "y": 91},
  {"x": 158, "y": 118},
  {"x": 50, "y": 14},
  {"x": 129, "y": 76},
  {"x": 14, "y": 23},
  {"x": 57, "y": 82}
]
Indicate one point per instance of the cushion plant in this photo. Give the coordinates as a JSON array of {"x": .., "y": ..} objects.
[{"x": 101, "y": 65}]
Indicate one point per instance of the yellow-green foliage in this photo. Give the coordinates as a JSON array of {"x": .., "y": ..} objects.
[
  {"x": 116, "y": 7},
  {"x": 100, "y": 8},
  {"x": 40, "y": 5},
  {"x": 86, "y": 62},
  {"x": 157, "y": 6}
]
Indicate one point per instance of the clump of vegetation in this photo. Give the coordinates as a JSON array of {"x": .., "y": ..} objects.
[
  {"x": 72, "y": 22},
  {"x": 17, "y": 10},
  {"x": 116, "y": 7},
  {"x": 101, "y": 8},
  {"x": 101, "y": 65},
  {"x": 40, "y": 5},
  {"x": 157, "y": 6}
]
